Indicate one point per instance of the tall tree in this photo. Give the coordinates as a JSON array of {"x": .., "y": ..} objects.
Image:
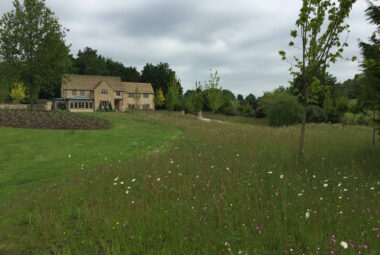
[
  {"x": 32, "y": 44},
  {"x": 370, "y": 91},
  {"x": 172, "y": 97},
  {"x": 88, "y": 62},
  {"x": 160, "y": 76},
  {"x": 320, "y": 24}
]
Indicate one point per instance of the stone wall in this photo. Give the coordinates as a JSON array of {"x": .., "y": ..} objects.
[{"x": 44, "y": 105}]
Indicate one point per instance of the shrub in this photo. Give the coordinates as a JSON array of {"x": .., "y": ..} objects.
[
  {"x": 281, "y": 108},
  {"x": 356, "y": 119},
  {"x": 315, "y": 114},
  {"x": 18, "y": 92}
]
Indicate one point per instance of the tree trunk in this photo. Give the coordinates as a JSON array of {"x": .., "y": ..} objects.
[
  {"x": 374, "y": 126},
  {"x": 302, "y": 137},
  {"x": 31, "y": 96}
]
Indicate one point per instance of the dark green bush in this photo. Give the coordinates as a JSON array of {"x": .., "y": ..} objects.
[
  {"x": 315, "y": 114},
  {"x": 281, "y": 108}
]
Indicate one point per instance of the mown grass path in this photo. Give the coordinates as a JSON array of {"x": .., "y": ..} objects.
[
  {"x": 221, "y": 188},
  {"x": 30, "y": 158}
]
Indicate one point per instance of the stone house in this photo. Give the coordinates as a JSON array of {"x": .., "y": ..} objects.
[{"x": 88, "y": 93}]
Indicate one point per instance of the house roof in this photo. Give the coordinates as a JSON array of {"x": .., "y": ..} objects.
[
  {"x": 130, "y": 87},
  {"x": 90, "y": 82}
]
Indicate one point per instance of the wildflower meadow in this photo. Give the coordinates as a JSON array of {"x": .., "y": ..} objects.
[{"x": 218, "y": 187}]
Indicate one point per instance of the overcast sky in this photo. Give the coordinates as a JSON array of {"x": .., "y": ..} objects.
[{"x": 239, "y": 38}]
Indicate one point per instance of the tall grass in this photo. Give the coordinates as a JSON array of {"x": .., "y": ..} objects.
[{"x": 222, "y": 188}]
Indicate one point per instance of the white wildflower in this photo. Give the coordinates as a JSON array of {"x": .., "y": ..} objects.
[
  {"x": 115, "y": 183},
  {"x": 307, "y": 215},
  {"x": 117, "y": 178},
  {"x": 127, "y": 192},
  {"x": 344, "y": 244},
  {"x": 270, "y": 172},
  {"x": 133, "y": 180},
  {"x": 325, "y": 185},
  {"x": 158, "y": 179},
  {"x": 282, "y": 176},
  {"x": 121, "y": 183},
  {"x": 69, "y": 155}
]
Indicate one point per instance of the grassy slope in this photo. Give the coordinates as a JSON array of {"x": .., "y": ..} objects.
[
  {"x": 217, "y": 190},
  {"x": 29, "y": 158}
]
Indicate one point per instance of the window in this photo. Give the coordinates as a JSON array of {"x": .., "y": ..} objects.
[
  {"x": 145, "y": 106},
  {"x": 82, "y": 93},
  {"x": 76, "y": 105},
  {"x": 118, "y": 93},
  {"x": 105, "y": 105},
  {"x": 71, "y": 105},
  {"x": 90, "y": 105},
  {"x": 74, "y": 92},
  {"x": 87, "y": 105},
  {"x": 104, "y": 92},
  {"x": 145, "y": 95},
  {"x": 131, "y": 95},
  {"x": 131, "y": 106}
]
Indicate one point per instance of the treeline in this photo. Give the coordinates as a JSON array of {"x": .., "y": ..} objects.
[
  {"x": 89, "y": 62},
  {"x": 335, "y": 102}
]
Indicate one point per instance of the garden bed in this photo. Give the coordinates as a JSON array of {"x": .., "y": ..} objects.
[{"x": 50, "y": 120}]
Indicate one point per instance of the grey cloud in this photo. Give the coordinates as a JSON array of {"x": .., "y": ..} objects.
[{"x": 240, "y": 38}]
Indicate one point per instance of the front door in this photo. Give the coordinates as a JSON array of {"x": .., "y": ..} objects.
[{"x": 117, "y": 105}]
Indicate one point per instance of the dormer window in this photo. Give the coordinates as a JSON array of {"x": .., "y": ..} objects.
[
  {"x": 74, "y": 92},
  {"x": 82, "y": 93},
  {"x": 118, "y": 93},
  {"x": 104, "y": 92}
]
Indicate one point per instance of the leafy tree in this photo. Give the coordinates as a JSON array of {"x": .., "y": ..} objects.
[
  {"x": 320, "y": 25},
  {"x": 214, "y": 92},
  {"x": 240, "y": 98},
  {"x": 329, "y": 108},
  {"x": 137, "y": 97},
  {"x": 192, "y": 101},
  {"x": 32, "y": 44},
  {"x": 160, "y": 76},
  {"x": 18, "y": 92},
  {"x": 88, "y": 62},
  {"x": 370, "y": 90},
  {"x": 230, "y": 103},
  {"x": 6, "y": 81},
  {"x": 159, "y": 98},
  {"x": 252, "y": 101},
  {"x": 172, "y": 97}
]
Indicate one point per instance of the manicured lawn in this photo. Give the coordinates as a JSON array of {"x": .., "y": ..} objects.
[
  {"x": 31, "y": 157},
  {"x": 219, "y": 188}
]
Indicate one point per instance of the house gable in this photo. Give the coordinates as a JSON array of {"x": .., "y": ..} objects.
[{"x": 104, "y": 92}]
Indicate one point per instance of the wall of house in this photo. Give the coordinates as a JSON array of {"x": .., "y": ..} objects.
[
  {"x": 81, "y": 110},
  {"x": 98, "y": 96},
  {"x": 128, "y": 100},
  {"x": 69, "y": 93}
]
